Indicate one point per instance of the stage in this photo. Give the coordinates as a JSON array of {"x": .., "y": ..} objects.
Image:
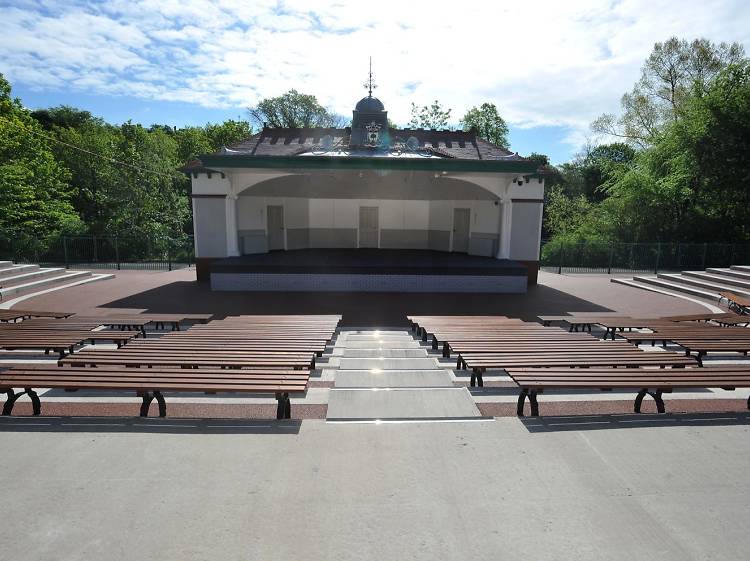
[{"x": 367, "y": 270}]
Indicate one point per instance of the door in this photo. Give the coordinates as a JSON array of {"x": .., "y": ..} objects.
[
  {"x": 368, "y": 226},
  {"x": 275, "y": 216},
  {"x": 461, "y": 219}
]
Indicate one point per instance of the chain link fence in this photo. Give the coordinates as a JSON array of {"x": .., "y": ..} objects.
[
  {"x": 605, "y": 257},
  {"x": 100, "y": 252}
]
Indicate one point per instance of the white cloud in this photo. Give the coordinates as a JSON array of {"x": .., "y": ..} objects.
[{"x": 542, "y": 62}]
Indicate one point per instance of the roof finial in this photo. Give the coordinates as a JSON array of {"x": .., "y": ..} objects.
[{"x": 370, "y": 84}]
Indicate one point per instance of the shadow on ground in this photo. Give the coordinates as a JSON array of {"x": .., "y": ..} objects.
[
  {"x": 148, "y": 425},
  {"x": 357, "y": 308},
  {"x": 608, "y": 422}
]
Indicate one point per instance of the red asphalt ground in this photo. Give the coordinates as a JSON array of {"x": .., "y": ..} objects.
[{"x": 177, "y": 292}]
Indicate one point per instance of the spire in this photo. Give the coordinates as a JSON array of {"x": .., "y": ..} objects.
[{"x": 370, "y": 84}]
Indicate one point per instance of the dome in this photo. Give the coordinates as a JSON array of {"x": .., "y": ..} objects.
[{"x": 369, "y": 105}]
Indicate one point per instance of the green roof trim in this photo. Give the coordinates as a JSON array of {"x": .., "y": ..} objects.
[{"x": 363, "y": 163}]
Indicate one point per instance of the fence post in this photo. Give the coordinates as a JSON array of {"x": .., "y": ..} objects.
[
  {"x": 658, "y": 256},
  {"x": 169, "y": 254},
  {"x": 731, "y": 256},
  {"x": 117, "y": 253},
  {"x": 611, "y": 257},
  {"x": 65, "y": 250},
  {"x": 96, "y": 258},
  {"x": 560, "y": 265},
  {"x": 679, "y": 256},
  {"x": 705, "y": 251}
]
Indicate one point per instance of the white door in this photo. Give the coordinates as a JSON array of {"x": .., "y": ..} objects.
[
  {"x": 461, "y": 223},
  {"x": 368, "y": 226},
  {"x": 275, "y": 216}
]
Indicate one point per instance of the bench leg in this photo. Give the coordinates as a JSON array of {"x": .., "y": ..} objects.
[
  {"x": 434, "y": 343},
  {"x": 446, "y": 350},
  {"x": 147, "y": 399},
  {"x": 284, "y": 408},
  {"x": 162, "y": 404},
  {"x": 521, "y": 401},
  {"x": 476, "y": 376},
  {"x": 13, "y": 397},
  {"x": 657, "y": 399}
]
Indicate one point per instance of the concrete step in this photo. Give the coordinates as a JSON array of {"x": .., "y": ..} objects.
[
  {"x": 730, "y": 273},
  {"x": 25, "y": 278},
  {"x": 719, "y": 279},
  {"x": 678, "y": 287},
  {"x": 42, "y": 284},
  {"x": 5, "y": 264},
  {"x": 16, "y": 270},
  {"x": 712, "y": 286}
]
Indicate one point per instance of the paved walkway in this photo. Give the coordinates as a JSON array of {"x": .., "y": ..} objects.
[{"x": 388, "y": 376}]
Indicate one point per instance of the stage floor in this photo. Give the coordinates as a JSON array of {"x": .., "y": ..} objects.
[
  {"x": 367, "y": 270},
  {"x": 369, "y": 261}
]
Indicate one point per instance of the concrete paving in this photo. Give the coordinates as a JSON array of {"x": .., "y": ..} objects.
[
  {"x": 393, "y": 379},
  {"x": 400, "y": 403},
  {"x": 117, "y": 490}
]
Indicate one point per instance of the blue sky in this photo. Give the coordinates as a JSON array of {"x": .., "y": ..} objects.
[{"x": 550, "y": 67}]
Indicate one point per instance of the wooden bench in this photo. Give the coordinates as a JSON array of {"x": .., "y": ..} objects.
[
  {"x": 703, "y": 347},
  {"x": 61, "y": 342},
  {"x": 150, "y": 384},
  {"x": 480, "y": 363},
  {"x": 653, "y": 382},
  {"x": 190, "y": 359},
  {"x": 519, "y": 339},
  {"x": 740, "y": 304},
  {"x": 698, "y": 317}
]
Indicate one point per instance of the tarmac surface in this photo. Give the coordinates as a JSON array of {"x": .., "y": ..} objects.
[{"x": 667, "y": 488}]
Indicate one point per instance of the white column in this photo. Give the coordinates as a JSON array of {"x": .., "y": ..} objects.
[
  {"x": 506, "y": 217},
  {"x": 231, "y": 219}
]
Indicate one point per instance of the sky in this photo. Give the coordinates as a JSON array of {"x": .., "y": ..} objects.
[{"x": 550, "y": 67}]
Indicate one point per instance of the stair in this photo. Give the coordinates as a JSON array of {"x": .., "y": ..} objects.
[
  {"x": 708, "y": 285},
  {"x": 718, "y": 278},
  {"x": 730, "y": 273},
  {"x": 703, "y": 284},
  {"x": 39, "y": 284},
  {"x": 676, "y": 287},
  {"x": 26, "y": 277},
  {"x": 15, "y": 270}
]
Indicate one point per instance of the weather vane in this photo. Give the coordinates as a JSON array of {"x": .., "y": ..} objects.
[{"x": 370, "y": 84}]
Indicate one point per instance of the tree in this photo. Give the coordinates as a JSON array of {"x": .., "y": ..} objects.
[
  {"x": 488, "y": 123},
  {"x": 227, "y": 133},
  {"x": 674, "y": 70},
  {"x": 429, "y": 116},
  {"x": 34, "y": 192},
  {"x": 294, "y": 110}
]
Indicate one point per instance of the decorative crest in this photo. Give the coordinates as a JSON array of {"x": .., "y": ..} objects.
[
  {"x": 370, "y": 84},
  {"x": 373, "y": 134}
]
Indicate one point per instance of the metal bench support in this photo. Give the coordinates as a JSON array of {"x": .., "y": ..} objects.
[
  {"x": 476, "y": 376},
  {"x": 13, "y": 397},
  {"x": 532, "y": 402},
  {"x": 657, "y": 399},
  {"x": 148, "y": 397},
  {"x": 284, "y": 408}
]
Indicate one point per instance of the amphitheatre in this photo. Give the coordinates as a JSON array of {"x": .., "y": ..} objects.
[{"x": 323, "y": 382}]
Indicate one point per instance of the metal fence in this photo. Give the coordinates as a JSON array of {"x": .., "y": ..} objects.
[
  {"x": 100, "y": 252},
  {"x": 603, "y": 257}
]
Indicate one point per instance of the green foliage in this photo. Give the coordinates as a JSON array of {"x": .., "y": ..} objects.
[
  {"x": 429, "y": 116},
  {"x": 670, "y": 75},
  {"x": 35, "y": 198},
  {"x": 294, "y": 110},
  {"x": 488, "y": 124}
]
